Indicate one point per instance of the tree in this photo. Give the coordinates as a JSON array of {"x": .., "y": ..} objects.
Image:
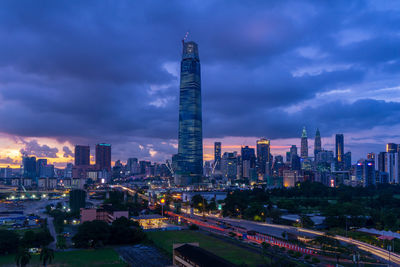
[
  {"x": 124, "y": 231},
  {"x": 46, "y": 255},
  {"x": 9, "y": 241},
  {"x": 92, "y": 234},
  {"x": 23, "y": 257}
]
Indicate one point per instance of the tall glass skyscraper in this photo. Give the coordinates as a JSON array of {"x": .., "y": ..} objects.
[
  {"x": 304, "y": 144},
  {"x": 317, "y": 143},
  {"x": 190, "y": 138}
]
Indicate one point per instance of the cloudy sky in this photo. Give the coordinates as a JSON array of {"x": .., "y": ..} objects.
[{"x": 82, "y": 72}]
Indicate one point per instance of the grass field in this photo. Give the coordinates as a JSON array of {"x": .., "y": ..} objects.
[
  {"x": 106, "y": 257},
  {"x": 226, "y": 250}
]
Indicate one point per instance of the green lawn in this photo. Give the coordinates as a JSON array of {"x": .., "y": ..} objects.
[
  {"x": 228, "y": 251},
  {"x": 106, "y": 257}
]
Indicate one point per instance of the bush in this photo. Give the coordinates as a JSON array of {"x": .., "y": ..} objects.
[
  {"x": 193, "y": 227},
  {"x": 307, "y": 257},
  {"x": 283, "y": 248},
  {"x": 9, "y": 241},
  {"x": 291, "y": 252},
  {"x": 315, "y": 260},
  {"x": 297, "y": 254}
]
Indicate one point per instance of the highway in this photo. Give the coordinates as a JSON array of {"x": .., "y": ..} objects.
[
  {"x": 277, "y": 229},
  {"x": 267, "y": 227}
]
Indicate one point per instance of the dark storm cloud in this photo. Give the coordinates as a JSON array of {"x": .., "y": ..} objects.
[
  {"x": 33, "y": 148},
  {"x": 67, "y": 152},
  {"x": 94, "y": 71}
]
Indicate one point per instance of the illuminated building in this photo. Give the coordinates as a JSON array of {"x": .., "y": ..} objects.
[
  {"x": 103, "y": 157},
  {"x": 263, "y": 155},
  {"x": 391, "y": 148},
  {"x": 317, "y": 143},
  {"x": 190, "y": 140},
  {"x": 82, "y": 155},
  {"x": 304, "y": 144},
  {"x": 365, "y": 172},
  {"x": 217, "y": 156},
  {"x": 339, "y": 147}
]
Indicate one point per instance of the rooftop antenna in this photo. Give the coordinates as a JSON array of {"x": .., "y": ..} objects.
[{"x": 186, "y": 36}]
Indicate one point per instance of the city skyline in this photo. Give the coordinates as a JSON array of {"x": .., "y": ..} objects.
[{"x": 131, "y": 101}]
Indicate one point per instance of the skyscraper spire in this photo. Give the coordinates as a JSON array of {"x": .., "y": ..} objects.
[{"x": 304, "y": 133}]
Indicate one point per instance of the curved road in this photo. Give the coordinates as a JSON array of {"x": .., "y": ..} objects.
[{"x": 267, "y": 227}]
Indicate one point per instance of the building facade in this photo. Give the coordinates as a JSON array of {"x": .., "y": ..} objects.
[{"x": 190, "y": 136}]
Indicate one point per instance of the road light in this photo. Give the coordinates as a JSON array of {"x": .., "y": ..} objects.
[{"x": 162, "y": 206}]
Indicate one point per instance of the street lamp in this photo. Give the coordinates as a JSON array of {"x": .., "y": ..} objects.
[{"x": 162, "y": 206}]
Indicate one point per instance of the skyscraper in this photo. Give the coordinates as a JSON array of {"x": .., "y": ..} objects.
[
  {"x": 29, "y": 167},
  {"x": 190, "y": 137},
  {"x": 103, "y": 157},
  {"x": 304, "y": 144},
  {"x": 263, "y": 154},
  {"x": 82, "y": 155},
  {"x": 217, "y": 156},
  {"x": 391, "y": 148},
  {"x": 339, "y": 147},
  {"x": 317, "y": 143}
]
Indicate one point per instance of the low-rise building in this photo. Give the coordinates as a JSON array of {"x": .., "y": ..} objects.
[
  {"x": 191, "y": 255},
  {"x": 101, "y": 215}
]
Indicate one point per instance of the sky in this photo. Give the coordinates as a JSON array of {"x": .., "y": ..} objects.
[{"x": 84, "y": 72}]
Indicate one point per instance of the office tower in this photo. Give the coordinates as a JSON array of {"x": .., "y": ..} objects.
[
  {"x": 40, "y": 165},
  {"x": 217, "y": 156},
  {"x": 365, "y": 172},
  {"x": 263, "y": 155},
  {"x": 339, "y": 147},
  {"x": 391, "y": 148},
  {"x": 229, "y": 165},
  {"x": 132, "y": 165},
  {"x": 29, "y": 167},
  {"x": 248, "y": 154},
  {"x": 325, "y": 156},
  {"x": 82, "y": 155},
  {"x": 287, "y": 156},
  {"x": 103, "y": 157},
  {"x": 392, "y": 167},
  {"x": 317, "y": 143},
  {"x": 295, "y": 163},
  {"x": 293, "y": 150},
  {"x": 381, "y": 161},
  {"x": 371, "y": 156},
  {"x": 248, "y": 161},
  {"x": 190, "y": 139},
  {"x": 304, "y": 144},
  {"x": 347, "y": 161}
]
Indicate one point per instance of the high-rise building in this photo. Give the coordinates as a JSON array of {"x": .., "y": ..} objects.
[
  {"x": 391, "y": 148},
  {"x": 304, "y": 144},
  {"x": 365, "y": 172},
  {"x": 133, "y": 166},
  {"x": 293, "y": 151},
  {"x": 82, "y": 155},
  {"x": 217, "y": 156},
  {"x": 229, "y": 165},
  {"x": 29, "y": 167},
  {"x": 347, "y": 161},
  {"x": 317, "y": 143},
  {"x": 381, "y": 161},
  {"x": 339, "y": 147},
  {"x": 40, "y": 166},
  {"x": 263, "y": 155},
  {"x": 190, "y": 137},
  {"x": 103, "y": 157}
]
